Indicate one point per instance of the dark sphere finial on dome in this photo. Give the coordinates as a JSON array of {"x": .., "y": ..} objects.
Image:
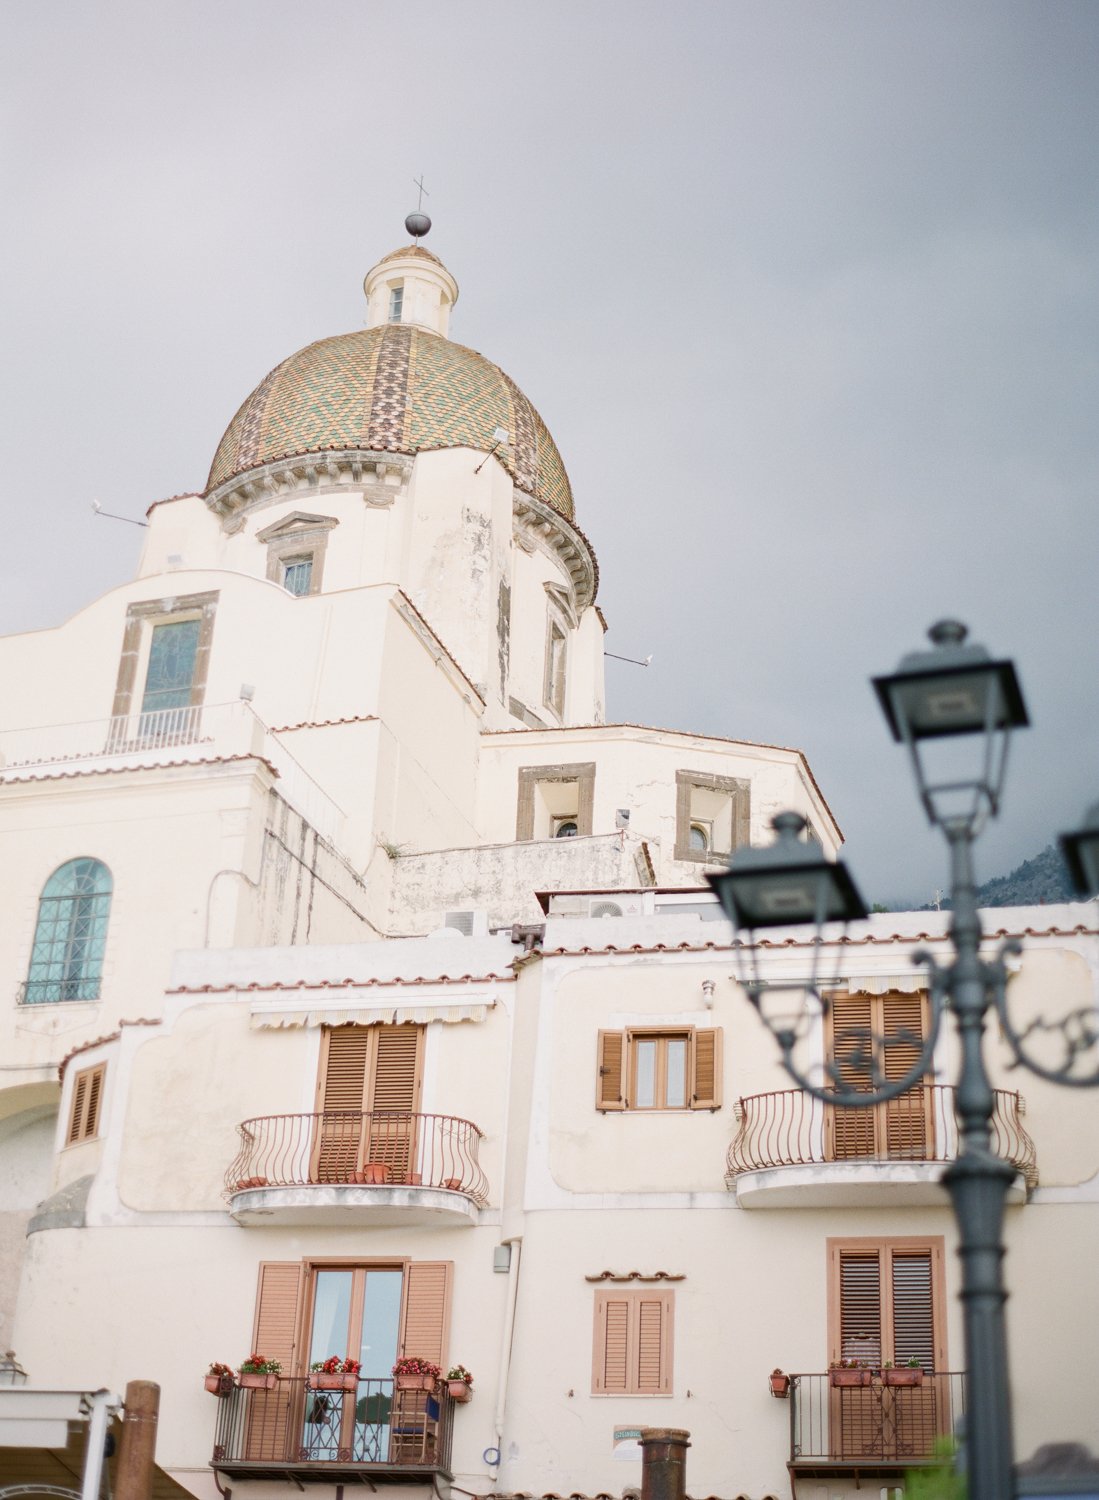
[{"x": 417, "y": 224}]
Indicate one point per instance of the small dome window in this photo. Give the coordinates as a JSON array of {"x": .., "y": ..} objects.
[
  {"x": 396, "y": 303},
  {"x": 699, "y": 839},
  {"x": 565, "y": 828}
]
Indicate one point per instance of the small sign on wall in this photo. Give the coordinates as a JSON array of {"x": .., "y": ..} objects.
[{"x": 627, "y": 1443}]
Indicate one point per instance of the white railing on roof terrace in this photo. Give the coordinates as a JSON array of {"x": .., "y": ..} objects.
[{"x": 197, "y": 732}]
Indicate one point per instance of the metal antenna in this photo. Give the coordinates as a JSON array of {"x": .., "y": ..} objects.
[{"x": 110, "y": 516}]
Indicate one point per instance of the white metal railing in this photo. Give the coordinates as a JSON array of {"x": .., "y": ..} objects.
[{"x": 192, "y": 733}]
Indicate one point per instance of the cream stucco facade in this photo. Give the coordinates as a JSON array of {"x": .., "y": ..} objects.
[{"x": 334, "y": 774}]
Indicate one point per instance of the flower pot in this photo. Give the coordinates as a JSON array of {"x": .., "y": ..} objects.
[
  {"x": 780, "y": 1384},
  {"x": 218, "y": 1385},
  {"x": 319, "y": 1380},
  {"x": 415, "y": 1382},
  {"x": 374, "y": 1173},
  {"x": 902, "y": 1376},
  {"x": 254, "y": 1381},
  {"x": 459, "y": 1390},
  {"x": 844, "y": 1378},
  {"x": 453, "y": 1184}
]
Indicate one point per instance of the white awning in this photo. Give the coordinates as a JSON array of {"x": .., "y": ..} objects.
[
  {"x": 271, "y": 1016},
  {"x": 881, "y": 984}
]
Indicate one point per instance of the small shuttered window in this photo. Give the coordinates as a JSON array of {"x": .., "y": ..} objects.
[
  {"x": 87, "y": 1098},
  {"x": 643, "y": 1069},
  {"x": 891, "y": 1028},
  {"x": 632, "y": 1353},
  {"x": 369, "y": 1098}
]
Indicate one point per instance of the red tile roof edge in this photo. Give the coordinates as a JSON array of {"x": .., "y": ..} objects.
[
  {"x": 337, "y": 984},
  {"x": 324, "y": 723},
  {"x": 8, "y": 779},
  {"x": 98, "y": 1041}
]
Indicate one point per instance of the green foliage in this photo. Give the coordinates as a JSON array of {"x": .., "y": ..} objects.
[{"x": 938, "y": 1481}]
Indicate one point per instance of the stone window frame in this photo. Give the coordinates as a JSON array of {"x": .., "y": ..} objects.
[
  {"x": 738, "y": 788},
  {"x": 141, "y": 618},
  {"x": 581, "y": 772},
  {"x": 555, "y": 673},
  {"x": 293, "y": 539}
]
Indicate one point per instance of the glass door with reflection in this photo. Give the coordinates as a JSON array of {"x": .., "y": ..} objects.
[{"x": 356, "y": 1312}]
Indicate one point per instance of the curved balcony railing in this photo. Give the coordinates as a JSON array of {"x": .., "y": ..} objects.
[
  {"x": 378, "y": 1148},
  {"x": 292, "y": 1432},
  {"x": 789, "y": 1128}
]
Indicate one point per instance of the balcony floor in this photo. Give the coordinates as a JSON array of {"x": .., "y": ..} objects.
[
  {"x": 342, "y": 1204},
  {"x": 323, "y": 1471},
  {"x": 852, "y": 1184}
]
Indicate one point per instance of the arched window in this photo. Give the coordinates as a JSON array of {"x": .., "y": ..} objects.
[{"x": 67, "y": 957}]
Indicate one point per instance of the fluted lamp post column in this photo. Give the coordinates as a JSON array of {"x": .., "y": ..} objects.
[{"x": 952, "y": 691}]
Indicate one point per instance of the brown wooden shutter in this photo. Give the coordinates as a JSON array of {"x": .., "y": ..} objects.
[
  {"x": 610, "y": 1345},
  {"x": 425, "y": 1316},
  {"x": 345, "y": 1059},
  {"x": 269, "y": 1428},
  {"x": 609, "y": 1093},
  {"x": 654, "y": 1343},
  {"x": 76, "y": 1117},
  {"x": 707, "y": 1070},
  {"x": 860, "y": 1292},
  {"x": 850, "y": 1132},
  {"x": 905, "y": 1118},
  {"x": 913, "y": 1319},
  {"x": 393, "y": 1097},
  {"x": 84, "y": 1111}
]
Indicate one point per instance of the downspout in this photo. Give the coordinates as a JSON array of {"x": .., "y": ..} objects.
[{"x": 505, "y": 1342}]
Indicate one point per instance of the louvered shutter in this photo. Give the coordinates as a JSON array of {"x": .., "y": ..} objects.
[
  {"x": 855, "y": 1412},
  {"x": 706, "y": 1093},
  {"x": 269, "y": 1429},
  {"x": 913, "y": 1321},
  {"x": 611, "y": 1343},
  {"x": 609, "y": 1093},
  {"x": 902, "y": 1027},
  {"x": 345, "y": 1062},
  {"x": 394, "y": 1098},
  {"x": 426, "y": 1311},
  {"x": 850, "y": 1131},
  {"x": 76, "y": 1117},
  {"x": 95, "y": 1094},
  {"x": 654, "y": 1343}
]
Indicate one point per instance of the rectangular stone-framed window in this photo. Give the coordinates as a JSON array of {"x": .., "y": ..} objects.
[
  {"x": 163, "y": 667},
  {"x": 659, "y": 1068},
  {"x": 85, "y": 1105},
  {"x": 632, "y": 1345},
  {"x": 712, "y": 815},
  {"x": 552, "y": 797},
  {"x": 553, "y": 684},
  {"x": 296, "y": 548}
]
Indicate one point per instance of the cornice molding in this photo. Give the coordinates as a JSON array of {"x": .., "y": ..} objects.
[
  {"x": 380, "y": 476},
  {"x": 538, "y": 525}
]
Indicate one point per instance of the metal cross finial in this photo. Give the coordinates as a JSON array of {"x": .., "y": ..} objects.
[{"x": 419, "y": 183}]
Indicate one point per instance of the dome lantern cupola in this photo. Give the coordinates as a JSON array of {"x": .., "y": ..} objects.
[{"x": 410, "y": 286}]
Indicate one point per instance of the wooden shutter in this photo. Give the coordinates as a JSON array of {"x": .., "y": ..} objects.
[
  {"x": 609, "y": 1072},
  {"x": 906, "y": 1118},
  {"x": 860, "y": 1293},
  {"x": 394, "y": 1098},
  {"x": 706, "y": 1093},
  {"x": 850, "y": 1132},
  {"x": 654, "y": 1343},
  {"x": 632, "y": 1343},
  {"x": 86, "y": 1097},
  {"x": 269, "y": 1431},
  {"x": 345, "y": 1058},
  {"x": 610, "y": 1350},
  {"x": 425, "y": 1316}
]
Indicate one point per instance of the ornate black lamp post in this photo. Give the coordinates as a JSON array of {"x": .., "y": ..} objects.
[{"x": 950, "y": 691}]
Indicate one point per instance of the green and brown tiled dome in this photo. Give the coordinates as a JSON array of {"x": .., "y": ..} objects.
[{"x": 394, "y": 389}]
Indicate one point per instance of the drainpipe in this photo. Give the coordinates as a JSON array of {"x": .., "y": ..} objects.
[{"x": 505, "y": 1342}]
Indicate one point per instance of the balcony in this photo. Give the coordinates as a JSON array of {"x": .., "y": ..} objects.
[
  {"x": 372, "y": 1435},
  {"x": 167, "y": 736},
  {"x": 349, "y": 1166},
  {"x": 876, "y": 1430},
  {"x": 792, "y": 1151}
]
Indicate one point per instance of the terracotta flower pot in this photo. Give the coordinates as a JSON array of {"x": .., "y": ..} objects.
[
  {"x": 844, "y": 1378},
  {"x": 255, "y": 1381},
  {"x": 459, "y": 1390},
  {"x": 903, "y": 1376},
  {"x": 415, "y": 1382},
  {"x": 218, "y": 1385},
  {"x": 319, "y": 1380},
  {"x": 373, "y": 1172}
]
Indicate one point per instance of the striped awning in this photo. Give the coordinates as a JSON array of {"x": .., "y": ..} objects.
[{"x": 271, "y": 1016}]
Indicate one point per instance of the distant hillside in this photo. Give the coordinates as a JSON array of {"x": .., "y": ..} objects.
[{"x": 1041, "y": 879}]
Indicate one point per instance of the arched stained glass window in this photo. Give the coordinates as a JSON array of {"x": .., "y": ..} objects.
[{"x": 67, "y": 957}]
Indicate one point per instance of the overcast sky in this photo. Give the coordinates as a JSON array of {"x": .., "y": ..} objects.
[{"x": 808, "y": 294}]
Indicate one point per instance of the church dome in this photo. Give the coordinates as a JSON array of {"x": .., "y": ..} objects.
[{"x": 393, "y": 388}]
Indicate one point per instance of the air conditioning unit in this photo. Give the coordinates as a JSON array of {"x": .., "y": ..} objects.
[
  {"x": 628, "y": 904},
  {"x": 468, "y": 923}
]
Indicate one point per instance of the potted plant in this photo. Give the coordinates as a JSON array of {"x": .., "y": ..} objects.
[
  {"x": 257, "y": 1373},
  {"x": 780, "y": 1384},
  {"x": 219, "y": 1379},
  {"x": 909, "y": 1374},
  {"x": 847, "y": 1372},
  {"x": 374, "y": 1173},
  {"x": 458, "y": 1383},
  {"x": 333, "y": 1374},
  {"x": 413, "y": 1374}
]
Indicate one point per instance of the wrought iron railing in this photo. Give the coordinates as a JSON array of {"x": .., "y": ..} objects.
[
  {"x": 790, "y": 1128},
  {"x": 354, "y": 1147},
  {"x": 292, "y": 1427},
  {"x": 52, "y": 991},
  {"x": 873, "y": 1423}
]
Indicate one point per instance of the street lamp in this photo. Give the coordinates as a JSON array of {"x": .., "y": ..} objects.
[{"x": 950, "y": 692}]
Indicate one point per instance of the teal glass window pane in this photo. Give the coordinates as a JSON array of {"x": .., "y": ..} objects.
[
  {"x": 297, "y": 575},
  {"x": 70, "y": 935},
  {"x": 172, "y": 655}
]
